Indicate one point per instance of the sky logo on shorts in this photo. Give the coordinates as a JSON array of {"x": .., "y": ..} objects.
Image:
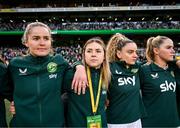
[{"x": 52, "y": 67}]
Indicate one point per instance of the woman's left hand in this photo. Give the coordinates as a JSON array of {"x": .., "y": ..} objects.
[{"x": 79, "y": 82}]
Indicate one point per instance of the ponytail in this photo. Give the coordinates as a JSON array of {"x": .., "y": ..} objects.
[
  {"x": 112, "y": 46},
  {"x": 153, "y": 42},
  {"x": 149, "y": 50}
]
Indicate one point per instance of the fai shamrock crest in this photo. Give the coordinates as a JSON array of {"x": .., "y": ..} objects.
[
  {"x": 172, "y": 73},
  {"x": 52, "y": 67},
  {"x": 134, "y": 70}
]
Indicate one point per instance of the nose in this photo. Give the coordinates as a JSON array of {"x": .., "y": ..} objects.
[
  {"x": 93, "y": 53},
  {"x": 135, "y": 55},
  {"x": 173, "y": 51},
  {"x": 41, "y": 42}
]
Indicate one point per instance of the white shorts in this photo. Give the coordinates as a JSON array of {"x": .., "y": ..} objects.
[{"x": 135, "y": 124}]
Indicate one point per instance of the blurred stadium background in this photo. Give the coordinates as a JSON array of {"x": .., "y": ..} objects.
[{"x": 75, "y": 21}]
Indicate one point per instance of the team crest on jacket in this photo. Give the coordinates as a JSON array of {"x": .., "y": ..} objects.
[
  {"x": 172, "y": 73},
  {"x": 104, "y": 92},
  {"x": 134, "y": 70},
  {"x": 52, "y": 67}
]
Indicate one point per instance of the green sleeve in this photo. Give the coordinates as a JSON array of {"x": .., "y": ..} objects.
[
  {"x": 177, "y": 76},
  {"x": 6, "y": 87},
  {"x": 77, "y": 63},
  {"x": 67, "y": 80},
  {"x": 3, "y": 72}
]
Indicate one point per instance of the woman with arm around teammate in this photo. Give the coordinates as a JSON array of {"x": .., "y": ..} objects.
[{"x": 37, "y": 81}]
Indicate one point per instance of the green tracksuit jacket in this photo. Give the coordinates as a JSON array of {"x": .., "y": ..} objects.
[
  {"x": 79, "y": 106},
  {"x": 3, "y": 81},
  {"x": 159, "y": 96},
  {"x": 177, "y": 76},
  {"x": 125, "y": 104},
  {"x": 37, "y": 89}
]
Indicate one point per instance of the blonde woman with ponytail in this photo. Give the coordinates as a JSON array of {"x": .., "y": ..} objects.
[
  {"x": 125, "y": 107},
  {"x": 158, "y": 84}
]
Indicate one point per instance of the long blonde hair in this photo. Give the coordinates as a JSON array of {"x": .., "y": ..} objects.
[
  {"x": 106, "y": 73},
  {"x": 116, "y": 42},
  {"x": 153, "y": 42}
]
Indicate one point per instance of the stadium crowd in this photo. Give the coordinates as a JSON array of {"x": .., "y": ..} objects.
[
  {"x": 14, "y": 26},
  {"x": 88, "y": 3},
  {"x": 68, "y": 52}
]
